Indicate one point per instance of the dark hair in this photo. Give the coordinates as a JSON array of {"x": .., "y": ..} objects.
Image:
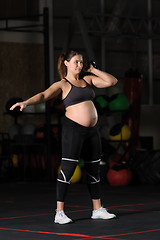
[{"x": 62, "y": 69}]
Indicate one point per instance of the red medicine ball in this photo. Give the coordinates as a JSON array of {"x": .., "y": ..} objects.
[{"x": 119, "y": 178}]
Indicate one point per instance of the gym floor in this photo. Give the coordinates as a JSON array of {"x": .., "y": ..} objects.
[{"x": 27, "y": 212}]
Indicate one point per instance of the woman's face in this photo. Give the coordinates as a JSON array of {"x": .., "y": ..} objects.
[{"x": 75, "y": 64}]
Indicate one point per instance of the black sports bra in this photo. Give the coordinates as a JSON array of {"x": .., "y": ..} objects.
[{"x": 78, "y": 94}]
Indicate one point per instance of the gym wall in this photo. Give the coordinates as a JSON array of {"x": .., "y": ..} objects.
[{"x": 21, "y": 75}]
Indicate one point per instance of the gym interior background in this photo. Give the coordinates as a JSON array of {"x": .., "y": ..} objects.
[{"x": 121, "y": 36}]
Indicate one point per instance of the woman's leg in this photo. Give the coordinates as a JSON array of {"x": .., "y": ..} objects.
[
  {"x": 60, "y": 206},
  {"x": 96, "y": 204},
  {"x": 68, "y": 165},
  {"x": 71, "y": 148},
  {"x": 67, "y": 169},
  {"x": 92, "y": 163},
  {"x": 92, "y": 158}
]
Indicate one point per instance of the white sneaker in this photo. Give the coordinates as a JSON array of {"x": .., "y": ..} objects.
[
  {"x": 62, "y": 218},
  {"x": 102, "y": 213}
]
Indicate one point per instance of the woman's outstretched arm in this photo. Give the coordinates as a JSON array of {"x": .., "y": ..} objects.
[{"x": 41, "y": 97}]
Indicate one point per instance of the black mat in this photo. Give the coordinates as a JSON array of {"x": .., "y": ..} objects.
[{"x": 27, "y": 212}]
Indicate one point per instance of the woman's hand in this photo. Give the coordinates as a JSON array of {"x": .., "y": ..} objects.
[
  {"x": 22, "y": 105},
  {"x": 90, "y": 69}
]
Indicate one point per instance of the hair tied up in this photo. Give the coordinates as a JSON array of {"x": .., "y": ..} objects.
[{"x": 63, "y": 56}]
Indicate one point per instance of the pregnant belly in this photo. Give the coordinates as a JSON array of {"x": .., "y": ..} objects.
[{"x": 83, "y": 113}]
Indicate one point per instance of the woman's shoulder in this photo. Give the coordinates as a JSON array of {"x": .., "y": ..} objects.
[
  {"x": 63, "y": 81},
  {"x": 58, "y": 84},
  {"x": 88, "y": 79}
]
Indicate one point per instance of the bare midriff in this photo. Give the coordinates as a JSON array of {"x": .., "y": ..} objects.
[{"x": 83, "y": 113}]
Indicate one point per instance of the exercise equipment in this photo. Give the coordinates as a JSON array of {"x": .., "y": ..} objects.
[
  {"x": 87, "y": 65},
  {"x": 15, "y": 112},
  {"x": 120, "y": 132},
  {"x": 114, "y": 159},
  {"x": 40, "y": 131},
  {"x": 15, "y": 160},
  {"x": 57, "y": 106},
  {"x": 40, "y": 108},
  {"x": 118, "y": 102},
  {"x": 118, "y": 178},
  {"x": 29, "y": 109},
  {"x": 28, "y": 129},
  {"x": 146, "y": 166},
  {"x": 76, "y": 176},
  {"x": 133, "y": 90},
  {"x": 14, "y": 130},
  {"x": 81, "y": 163},
  {"x": 101, "y": 104}
]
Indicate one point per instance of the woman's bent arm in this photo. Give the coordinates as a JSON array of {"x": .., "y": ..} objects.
[{"x": 101, "y": 79}]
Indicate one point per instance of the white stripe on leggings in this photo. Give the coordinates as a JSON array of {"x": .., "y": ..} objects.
[
  {"x": 63, "y": 175},
  {"x": 94, "y": 161},
  {"x": 69, "y": 159},
  {"x": 96, "y": 181},
  {"x": 63, "y": 181}
]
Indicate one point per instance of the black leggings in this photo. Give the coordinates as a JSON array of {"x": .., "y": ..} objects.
[{"x": 77, "y": 141}]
